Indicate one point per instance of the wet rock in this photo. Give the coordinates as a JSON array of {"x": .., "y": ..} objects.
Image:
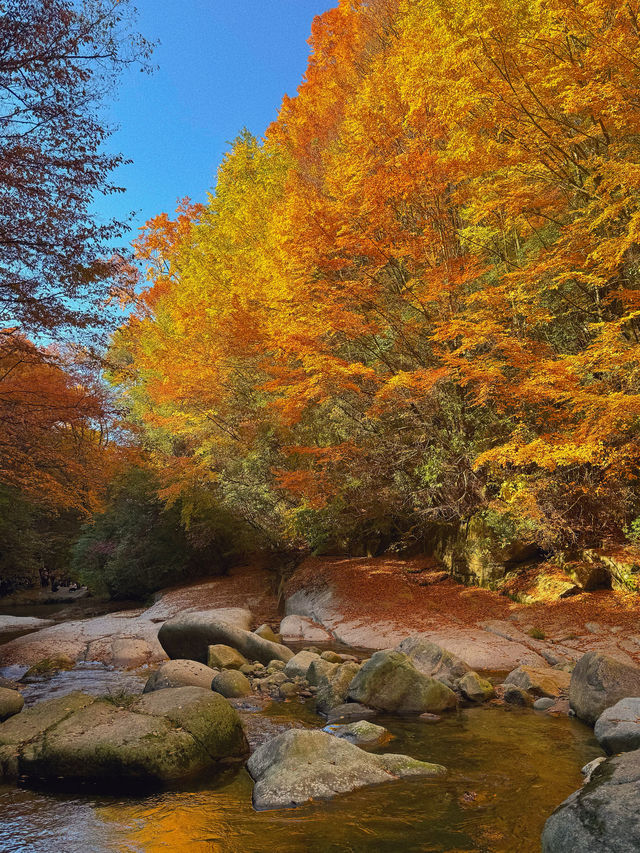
[
  {"x": 544, "y": 703},
  {"x": 295, "y": 629},
  {"x": 334, "y": 687},
  {"x": 475, "y": 688},
  {"x": 618, "y": 727},
  {"x": 32, "y": 722},
  {"x": 540, "y": 681},
  {"x": 189, "y": 635},
  {"x": 598, "y": 682},
  {"x": 514, "y": 695},
  {"x": 11, "y": 703},
  {"x": 390, "y": 682},
  {"x": 350, "y": 711},
  {"x": 165, "y": 738},
  {"x": 180, "y": 673},
  {"x": 434, "y": 661},
  {"x": 588, "y": 769},
  {"x": 603, "y": 816},
  {"x": 231, "y": 684},
  {"x": 266, "y": 633},
  {"x": 300, "y": 663},
  {"x": 361, "y": 733},
  {"x": 224, "y": 657},
  {"x": 302, "y": 764}
]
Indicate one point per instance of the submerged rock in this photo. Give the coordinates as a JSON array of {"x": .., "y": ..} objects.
[
  {"x": 302, "y": 764},
  {"x": 604, "y": 815},
  {"x": 618, "y": 727},
  {"x": 598, "y": 682},
  {"x": 189, "y": 635},
  {"x": 163, "y": 738},
  {"x": 180, "y": 673},
  {"x": 350, "y": 711},
  {"x": 11, "y": 703},
  {"x": 390, "y": 682}
]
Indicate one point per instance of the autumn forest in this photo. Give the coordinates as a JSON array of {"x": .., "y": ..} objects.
[{"x": 413, "y": 305}]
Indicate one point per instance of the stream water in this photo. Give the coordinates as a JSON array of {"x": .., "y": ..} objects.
[{"x": 508, "y": 770}]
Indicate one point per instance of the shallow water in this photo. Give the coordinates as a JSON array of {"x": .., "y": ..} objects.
[{"x": 508, "y": 770}]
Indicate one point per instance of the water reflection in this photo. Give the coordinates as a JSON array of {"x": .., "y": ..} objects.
[{"x": 508, "y": 771}]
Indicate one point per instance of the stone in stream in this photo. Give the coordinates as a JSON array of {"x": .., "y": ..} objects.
[
  {"x": 164, "y": 738},
  {"x": 544, "y": 703},
  {"x": 514, "y": 695},
  {"x": 11, "y": 703},
  {"x": 334, "y": 686},
  {"x": 350, "y": 711},
  {"x": 332, "y": 657},
  {"x": 540, "y": 681},
  {"x": 224, "y": 657},
  {"x": 180, "y": 673},
  {"x": 300, "y": 663},
  {"x": 618, "y": 727},
  {"x": 598, "y": 682},
  {"x": 434, "y": 661},
  {"x": 189, "y": 635},
  {"x": 475, "y": 688},
  {"x": 320, "y": 669},
  {"x": 604, "y": 815},
  {"x": 361, "y": 733},
  {"x": 390, "y": 682},
  {"x": 231, "y": 684},
  {"x": 303, "y": 764}
]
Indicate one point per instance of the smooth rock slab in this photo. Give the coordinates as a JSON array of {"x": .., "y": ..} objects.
[
  {"x": 598, "y": 682},
  {"x": 603, "y": 816},
  {"x": 189, "y": 635},
  {"x": 618, "y": 727},
  {"x": 9, "y": 624},
  {"x": 180, "y": 673},
  {"x": 302, "y": 764},
  {"x": 389, "y": 681}
]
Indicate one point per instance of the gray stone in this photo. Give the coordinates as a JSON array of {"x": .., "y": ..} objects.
[
  {"x": 514, "y": 695},
  {"x": 598, "y": 682},
  {"x": 618, "y": 727},
  {"x": 390, "y": 682},
  {"x": 189, "y": 635},
  {"x": 299, "y": 664},
  {"x": 434, "y": 661},
  {"x": 350, "y": 711},
  {"x": 11, "y": 703},
  {"x": 302, "y": 764},
  {"x": 334, "y": 686},
  {"x": 603, "y": 816},
  {"x": 180, "y": 673},
  {"x": 320, "y": 669},
  {"x": 544, "y": 703},
  {"x": 231, "y": 684}
]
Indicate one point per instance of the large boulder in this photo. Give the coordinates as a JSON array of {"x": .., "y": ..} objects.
[
  {"x": 618, "y": 727},
  {"x": 302, "y": 764},
  {"x": 604, "y": 815},
  {"x": 540, "y": 681},
  {"x": 164, "y": 738},
  {"x": 11, "y": 702},
  {"x": 390, "y": 682},
  {"x": 180, "y": 673},
  {"x": 189, "y": 635},
  {"x": 333, "y": 686},
  {"x": 431, "y": 659},
  {"x": 598, "y": 682}
]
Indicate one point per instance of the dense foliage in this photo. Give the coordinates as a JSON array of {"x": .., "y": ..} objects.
[{"x": 417, "y": 299}]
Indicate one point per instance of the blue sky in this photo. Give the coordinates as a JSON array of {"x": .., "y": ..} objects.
[{"x": 223, "y": 65}]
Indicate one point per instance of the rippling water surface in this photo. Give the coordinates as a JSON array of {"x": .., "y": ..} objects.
[{"x": 508, "y": 770}]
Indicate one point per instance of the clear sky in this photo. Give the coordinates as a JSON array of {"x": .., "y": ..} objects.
[{"x": 223, "y": 65}]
